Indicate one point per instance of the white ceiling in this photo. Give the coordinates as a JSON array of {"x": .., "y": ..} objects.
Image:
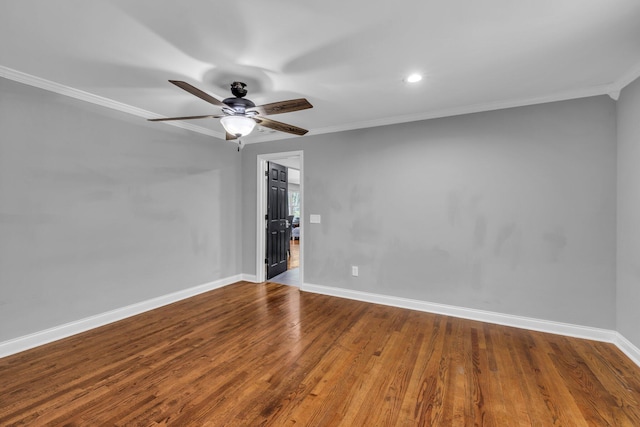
[{"x": 348, "y": 58}]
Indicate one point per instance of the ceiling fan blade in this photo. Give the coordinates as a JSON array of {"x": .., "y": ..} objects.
[
  {"x": 184, "y": 118},
  {"x": 279, "y": 126},
  {"x": 230, "y": 137},
  {"x": 282, "y": 107},
  {"x": 197, "y": 92}
]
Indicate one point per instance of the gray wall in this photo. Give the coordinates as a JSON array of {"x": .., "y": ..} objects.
[
  {"x": 511, "y": 211},
  {"x": 628, "y": 306},
  {"x": 101, "y": 209}
]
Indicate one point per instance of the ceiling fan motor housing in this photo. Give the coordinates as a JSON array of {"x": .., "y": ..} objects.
[{"x": 239, "y": 105}]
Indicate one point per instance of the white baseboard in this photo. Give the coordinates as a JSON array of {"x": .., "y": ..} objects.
[
  {"x": 250, "y": 278},
  {"x": 627, "y": 348},
  {"x": 58, "y": 88},
  {"x": 26, "y": 342},
  {"x": 586, "y": 332}
]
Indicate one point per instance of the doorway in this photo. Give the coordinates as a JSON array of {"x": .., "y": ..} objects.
[{"x": 293, "y": 160}]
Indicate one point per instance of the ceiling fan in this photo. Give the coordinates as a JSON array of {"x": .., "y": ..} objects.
[{"x": 240, "y": 115}]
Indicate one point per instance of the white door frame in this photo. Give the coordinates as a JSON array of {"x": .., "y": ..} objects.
[{"x": 261, "y": 211}]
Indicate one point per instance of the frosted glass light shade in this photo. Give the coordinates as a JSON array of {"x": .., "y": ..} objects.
[{"x": 238, "y": 125}]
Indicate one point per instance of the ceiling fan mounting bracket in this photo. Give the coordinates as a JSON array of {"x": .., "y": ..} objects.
[{"x": 238, "y": 89}]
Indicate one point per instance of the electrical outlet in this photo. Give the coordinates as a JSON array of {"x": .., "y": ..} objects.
[{"x": 354, "y": 270}]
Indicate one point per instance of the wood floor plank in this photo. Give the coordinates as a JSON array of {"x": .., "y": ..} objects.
[
  {"x": 333, "y": 378},
  {"x": 507, "y": 378},
  {"x": 614, "y": 378},
  {"x": 267, "y": 354},
  {"x": 425, "y": 393}
]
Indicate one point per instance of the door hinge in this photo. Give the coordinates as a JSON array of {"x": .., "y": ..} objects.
[
  {"x": 266, "y": 261},
  {"x": 266, "y": 216},
  {"x": 266, "y": 173}
]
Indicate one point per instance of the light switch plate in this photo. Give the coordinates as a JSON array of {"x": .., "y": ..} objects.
[{"x": 314, "y": 219}]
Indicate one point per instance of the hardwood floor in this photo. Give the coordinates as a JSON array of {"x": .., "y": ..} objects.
[
  {"x": 294, "y": 260},
  {"x": 267, "y": 354}
]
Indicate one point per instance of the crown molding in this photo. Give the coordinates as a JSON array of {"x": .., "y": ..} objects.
[
  {"x": 626, "y": 79},
  {"x": 61, "y": 89},
  {"x": 459, "y": 111},
  {"x": 470, "y": 109},
  {"x": 612, "y": 90}
]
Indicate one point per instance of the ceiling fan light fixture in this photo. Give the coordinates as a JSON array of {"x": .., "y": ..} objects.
[{"x": 238, "y": 125}]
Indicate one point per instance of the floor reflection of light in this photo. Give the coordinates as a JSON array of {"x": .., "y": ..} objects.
[
  {"x": 278, "y": 304},
  {"x": 294, "y": 312},
  {"x": 261, "y": 291}
]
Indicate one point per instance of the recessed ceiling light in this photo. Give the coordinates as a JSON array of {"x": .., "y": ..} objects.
[{"x": 413, "y": 78}]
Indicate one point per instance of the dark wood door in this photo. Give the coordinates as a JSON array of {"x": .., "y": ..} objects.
[{"x": 277, "y": 211}]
